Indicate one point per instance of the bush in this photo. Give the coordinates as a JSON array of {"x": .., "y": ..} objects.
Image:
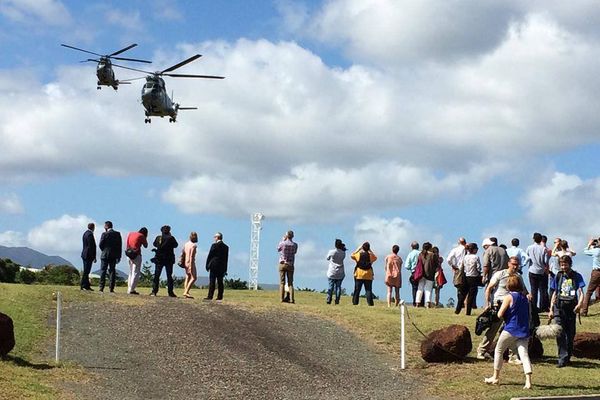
[
  {"x": 235, "y": 284},
  {"x": 26, "y": 276},
  {"x": 8, "y": 270},
  {"x": 59, "y": 275}
]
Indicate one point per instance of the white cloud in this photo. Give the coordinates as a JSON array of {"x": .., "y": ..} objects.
[
  {"x": 392, "y": 32},
  {"x": 382, "y": 233},
  {"x": 12, "y": 239},
  {"x": 309, "y": 192},
  {"x": 11, "y": 204},
  {"x": 130, "y": 20},
  {"x": 566, "y": 206},
  {"x": 59, "y": 236},
  {"x": 50, "y": 12}
]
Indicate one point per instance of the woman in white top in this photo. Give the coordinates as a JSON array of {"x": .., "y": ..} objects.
[
  {"x": 472, "y": 268},
  {"x": 189, "y": 251}
]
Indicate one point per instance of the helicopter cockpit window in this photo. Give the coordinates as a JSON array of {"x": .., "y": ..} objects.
[{"x": 149, "y": 85}]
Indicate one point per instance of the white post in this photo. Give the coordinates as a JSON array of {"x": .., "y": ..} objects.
[
  {"x": 58, "y": 317},
  {"x": 402, "y": 348}
]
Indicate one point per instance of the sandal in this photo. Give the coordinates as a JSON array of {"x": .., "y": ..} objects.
[{"x": 187, "y": 296}]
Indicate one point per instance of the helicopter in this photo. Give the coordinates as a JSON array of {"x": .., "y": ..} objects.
[
  {"x": 104, "y": 71},
  {"x": 155, "y": 99}
]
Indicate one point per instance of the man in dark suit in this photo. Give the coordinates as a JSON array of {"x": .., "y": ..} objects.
[
  {"x": 111, "y": 245},
  {"x": 88, "y": 255},
  {"x": 164, "y": 246},
  {"x": 216, "y": 265}
]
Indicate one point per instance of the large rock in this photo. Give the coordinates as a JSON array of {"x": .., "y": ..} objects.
[
  {"x": 7, "y": 335},
  {"x": 452, "y": 343},
  {"x": 587, "y": 345}
]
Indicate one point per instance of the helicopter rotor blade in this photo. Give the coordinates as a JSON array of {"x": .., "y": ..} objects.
[
  {"x": 187, "y": 108},
  {"x": 133, "y": 69},
  {"x": 89, "y": 60},
  {"x": 122, "y": 50},
  {"x": 131, "y": 59},
  {"x": 194, "y": 76},
  {"x": 181, "y": 64},
  {"x": 85, "y": 51},
  {"x": 131, "y": 79}
]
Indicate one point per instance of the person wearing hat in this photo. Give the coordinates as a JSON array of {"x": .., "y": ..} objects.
[{"x": 335, "y": 271}]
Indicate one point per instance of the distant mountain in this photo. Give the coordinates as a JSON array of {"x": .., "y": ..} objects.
[{"x": 29, "y": 257}]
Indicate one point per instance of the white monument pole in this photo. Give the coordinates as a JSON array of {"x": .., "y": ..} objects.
[{"x": 256, "y": 220}]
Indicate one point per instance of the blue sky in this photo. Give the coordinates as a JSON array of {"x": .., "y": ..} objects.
[{"x": 383, "y": 121}]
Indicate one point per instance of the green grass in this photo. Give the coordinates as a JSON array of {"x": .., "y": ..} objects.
[{"x": 28, "y": 373}]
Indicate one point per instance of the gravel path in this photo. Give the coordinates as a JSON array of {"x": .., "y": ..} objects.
[{"x": 148, "y": 351}]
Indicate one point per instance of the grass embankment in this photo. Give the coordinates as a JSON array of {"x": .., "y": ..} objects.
[{"x": 30, "y": 372}]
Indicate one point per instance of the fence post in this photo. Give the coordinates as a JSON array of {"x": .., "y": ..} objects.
[
  {"x": 58, "y": 323},
  {"x": 402, "y": 338}
]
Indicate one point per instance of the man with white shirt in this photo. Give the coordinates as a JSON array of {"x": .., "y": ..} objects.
[
  {"x": 456, "y": 256},
  {"x": 516, "y": 251}
]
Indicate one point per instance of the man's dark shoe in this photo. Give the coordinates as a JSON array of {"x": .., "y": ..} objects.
[
  {"x": 219, "y": 298},
  {"x": 207, "y": 298},
  {"x": 172, "y": 295},
  {"x": 89, "y": 289},
  {"x": 133, "y": 292},
  {"x": 112, "y": 291}
]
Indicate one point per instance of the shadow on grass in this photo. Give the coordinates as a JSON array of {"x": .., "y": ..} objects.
[
  {"x": 26, "y": 364},
  {"x": 572, "y": 364},
  {"x": 542, "y": 386}
]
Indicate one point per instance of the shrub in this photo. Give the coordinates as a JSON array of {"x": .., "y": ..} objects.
[
  {"x": 59, "y": 275},
  {"x": 26, "y": 276},
  {"x": 8, "y": 270},
  {"x": 235, "y": 284}
]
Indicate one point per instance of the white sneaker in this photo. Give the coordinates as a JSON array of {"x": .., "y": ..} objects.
[
  {"x": 515, "y": 361},
  {"x": 485, "y": 356}
]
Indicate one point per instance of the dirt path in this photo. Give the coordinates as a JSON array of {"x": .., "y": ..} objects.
[{"x": 148, "y": 351}]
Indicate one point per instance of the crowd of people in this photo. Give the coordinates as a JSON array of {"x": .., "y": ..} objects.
[
  {"x": 556, "y": 289},
  {"x": 111, "y": 247}
]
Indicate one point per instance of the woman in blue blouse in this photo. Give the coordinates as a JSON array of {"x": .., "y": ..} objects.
[{"x": 515, "y": 311}]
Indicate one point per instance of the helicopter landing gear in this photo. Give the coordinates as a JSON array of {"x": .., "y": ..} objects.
[
  {"x": 147, "y": 121},
  {"x": 171, "y": 119},
  {"x": 98, "y": 88}
]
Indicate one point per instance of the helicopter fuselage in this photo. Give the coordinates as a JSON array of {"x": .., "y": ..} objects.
[
  {"x": 155, "y": 100},
  {"x": 105, "y": 74}
]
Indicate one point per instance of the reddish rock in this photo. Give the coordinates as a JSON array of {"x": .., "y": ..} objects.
[
  {"x": 587, "y": 345},
  {"x": 7, "y": 335},
  {"x": 452, "y": 343}
]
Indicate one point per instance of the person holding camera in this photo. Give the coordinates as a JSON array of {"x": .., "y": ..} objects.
[
  {"x": 164, "y": 246},
  {"x": 497, "y": 285},
  {"x": 134, "y": 243},
  {"x": 363, "y": 273},
  {"x": 287, "y": 249},
  {"x": 593, "y": 250}
]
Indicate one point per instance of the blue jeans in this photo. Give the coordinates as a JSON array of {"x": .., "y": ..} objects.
[{"x": 335, "y": 285}]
